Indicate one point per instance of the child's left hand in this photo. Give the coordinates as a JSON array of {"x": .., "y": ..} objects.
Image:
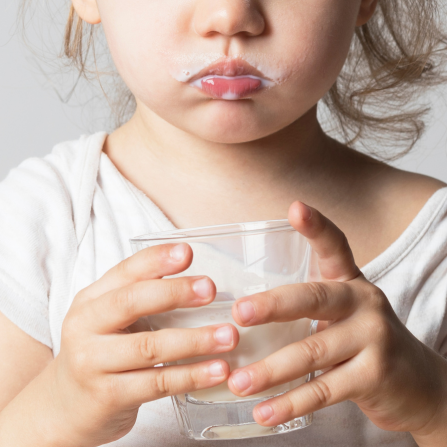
[{"x": 368, "y": 355}]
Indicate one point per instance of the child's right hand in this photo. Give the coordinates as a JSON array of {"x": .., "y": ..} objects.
[{"x": 104, "y": 372}]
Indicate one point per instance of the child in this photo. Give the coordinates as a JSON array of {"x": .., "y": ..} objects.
[{"x": 225, "y": 130}]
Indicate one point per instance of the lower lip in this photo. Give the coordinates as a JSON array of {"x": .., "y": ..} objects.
[{"x": 229, "y": 88}]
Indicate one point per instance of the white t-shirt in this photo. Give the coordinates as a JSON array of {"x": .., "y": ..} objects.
[{"x": 66, "y": 218}]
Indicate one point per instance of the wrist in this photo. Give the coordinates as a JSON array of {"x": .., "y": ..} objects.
[
  {"x": 31, "y": 418},
  {"x": 434, "y": 432}
]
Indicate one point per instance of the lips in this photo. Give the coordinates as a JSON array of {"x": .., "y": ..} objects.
[
  {"x": 230, "y": 79},
  {"x": 229, "y": 88}
]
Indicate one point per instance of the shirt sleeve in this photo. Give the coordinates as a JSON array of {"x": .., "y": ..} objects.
[{"x": 37, "y": 243}]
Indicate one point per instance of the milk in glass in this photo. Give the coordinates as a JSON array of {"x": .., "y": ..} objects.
[{"x": 255, "y": 343}]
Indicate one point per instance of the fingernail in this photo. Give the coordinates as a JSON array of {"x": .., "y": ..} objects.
[
  {"x": 178, "y": 252},
  {"x": 306, "y": 212},
  {"x": 224, "y": 335},
  {"x": 266, "y": 412},
  {"x": 216, "y": 370},
  {"x": 246, "y": 311},
  {"x": 241, "y": 380},
  {"x": 202, "y": 288}
]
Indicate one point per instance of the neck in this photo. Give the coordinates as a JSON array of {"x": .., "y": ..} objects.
[
  {"x": 174, "y": 168},
  {"x": 150, "y": 141}
]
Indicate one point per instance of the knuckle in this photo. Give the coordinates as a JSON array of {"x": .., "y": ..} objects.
[
  {"x": 161, "y": 383},
  {"x": 125, "y": 300},
  {"x": 174, "y": 289},
  {"x": 197, "y": 340},
  {"x": 288, "y": 405},
  {"x": 194, "y": 379},
  {"x": 377, "y": 299},
  {"x": 80, "y": 361},
  {"x": 81, "y": 295},
  {"x": 380, "y": 330},
  {"x": 344, "y": 243},
  {"x": 266, "y": 370},
  {"x": 149, "y": 348},
  {"x": 74, "y": 321},
  {"x": 376, "y": 373},
  {"x": 320, "y": 295},
  {"x": 124, "y": 271},
  {"x": 384, "y": 333},
  {"x": 315, "y": 351},
  {"x": 109, "y": 392},
  {"x": 271, "y": 303},
  {"x": 69, "y": 325},
  {"x": 320, "y": 393}
]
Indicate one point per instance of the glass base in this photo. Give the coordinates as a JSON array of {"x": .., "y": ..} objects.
[{"x": 226, "y": 420}]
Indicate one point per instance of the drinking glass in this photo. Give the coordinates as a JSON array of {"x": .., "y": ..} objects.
[{"x": 241, "y": 259}]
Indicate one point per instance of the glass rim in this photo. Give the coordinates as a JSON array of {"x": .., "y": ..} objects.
[{"x": 276, "y": 225}]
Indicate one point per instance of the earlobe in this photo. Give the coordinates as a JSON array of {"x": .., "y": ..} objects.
[
  {"x": 87, "y": 10},
  {"x": 366, "y": 11}
]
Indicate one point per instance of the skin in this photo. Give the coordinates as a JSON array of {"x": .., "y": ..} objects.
[{"x": 246, "y": 160}]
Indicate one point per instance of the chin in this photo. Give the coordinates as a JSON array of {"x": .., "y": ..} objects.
[
  {"x": 232, "y": 122},
  {"x": 232, "y": 134}
]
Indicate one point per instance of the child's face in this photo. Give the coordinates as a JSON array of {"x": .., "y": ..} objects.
[{"x": 300, "y": 45}]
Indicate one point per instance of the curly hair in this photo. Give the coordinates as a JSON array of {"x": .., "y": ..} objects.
[{"x": 393, "y": 59}]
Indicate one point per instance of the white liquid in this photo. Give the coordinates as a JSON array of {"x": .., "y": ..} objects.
[
  {"x": 255, "y": 343},
  {"x": 185, "y": 66}
]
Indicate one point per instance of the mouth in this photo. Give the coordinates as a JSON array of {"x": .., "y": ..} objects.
[{"x": 230, "y": 80}]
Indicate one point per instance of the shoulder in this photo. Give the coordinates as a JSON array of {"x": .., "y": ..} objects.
[
  {"x": 403, "y": 196},
  {"x": 388, "y": 201},
  {"x": 68, "y": 159},
  {"x": 54, "y": 187},
  {"x": 408, "y": 192},
  {"x": 73, "y": 158}
]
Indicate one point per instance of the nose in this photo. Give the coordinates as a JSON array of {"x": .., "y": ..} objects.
[{"x": 228, "y": 17}]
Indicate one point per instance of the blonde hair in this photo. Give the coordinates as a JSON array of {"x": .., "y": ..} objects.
[{"x": 394, "y": 58}]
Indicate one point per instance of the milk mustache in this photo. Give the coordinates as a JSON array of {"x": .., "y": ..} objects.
[{"x": 255, "y": 343}]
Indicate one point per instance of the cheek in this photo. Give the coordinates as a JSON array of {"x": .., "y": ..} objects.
[
  {"x": 315, "y": 46},
  {"x": 137, "y": 34}
]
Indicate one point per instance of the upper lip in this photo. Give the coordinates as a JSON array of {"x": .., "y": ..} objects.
[{"x": 229, "y": 67}]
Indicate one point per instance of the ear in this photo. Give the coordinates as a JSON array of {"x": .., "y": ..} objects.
[
  {"x": 366, "y": 11},
  {"x": 87, "y": 10}
]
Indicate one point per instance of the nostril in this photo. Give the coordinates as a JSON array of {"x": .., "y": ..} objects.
[{"x": 229, "y": 19}]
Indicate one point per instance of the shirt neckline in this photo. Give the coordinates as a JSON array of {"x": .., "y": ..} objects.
[
  {"x": 149, "y": 208},
  {"x": 373, "y": 270},
  {"x": 408, "y": 239}
]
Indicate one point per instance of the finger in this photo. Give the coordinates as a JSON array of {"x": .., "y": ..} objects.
[
  {"x": 146, "y": 349},
  {"x": 335, "y": 257},
  {"x": 327, "y": 300},
  {"x": 324, "y": 349},
  {"x": 322, "y": 325},
  {"x": 335, "y": 386},
  {"x": 145, "y": 385},
  {"x": 150, "y": 263},
  {"x": 119, "y": 308}
]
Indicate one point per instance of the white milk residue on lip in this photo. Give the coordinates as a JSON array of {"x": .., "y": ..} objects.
[
  {"x": 184, "y": 67},
  {"x": 209, "y": 78}
]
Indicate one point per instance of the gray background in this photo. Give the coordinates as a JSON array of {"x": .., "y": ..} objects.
[{"x": 33, "y": 118}]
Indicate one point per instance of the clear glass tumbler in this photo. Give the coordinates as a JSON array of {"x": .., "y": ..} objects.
[{"x": 241, "y": 259}]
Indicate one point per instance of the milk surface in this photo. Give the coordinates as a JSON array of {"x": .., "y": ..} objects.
[{"x": 255, "y": 343}]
